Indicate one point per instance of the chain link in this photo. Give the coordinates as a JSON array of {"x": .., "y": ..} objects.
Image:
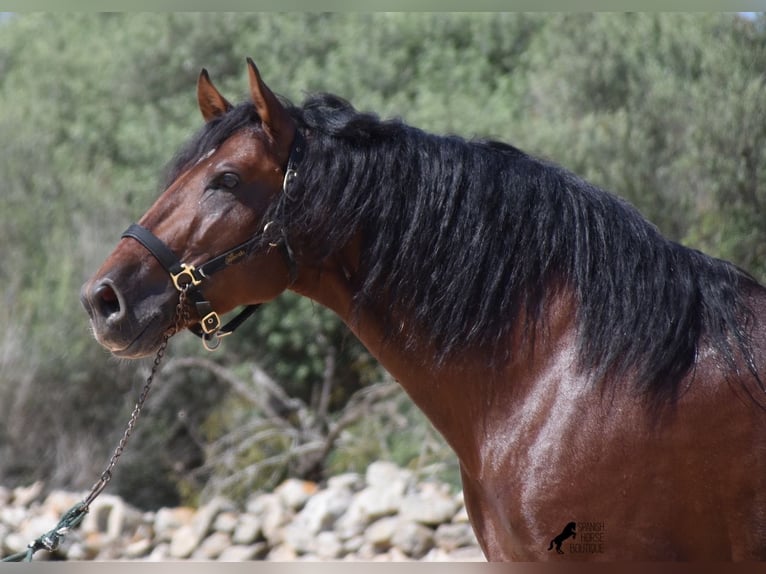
[
  {"x": 181, "y": 317},
  {"x": 73, "y": 517}
]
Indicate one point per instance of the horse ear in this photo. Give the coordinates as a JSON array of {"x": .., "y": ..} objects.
[
  {"x": 211, "y": 103},
  {"x": 274, "y": 117}
]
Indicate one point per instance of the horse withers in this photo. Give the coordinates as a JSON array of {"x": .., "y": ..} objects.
[{"x": 585, "y": 369}]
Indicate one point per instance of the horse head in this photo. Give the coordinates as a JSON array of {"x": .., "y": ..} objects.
[{"x": 210, "y": 217}]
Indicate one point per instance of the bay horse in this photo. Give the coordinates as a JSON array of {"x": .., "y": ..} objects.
[{"x": 582, "y": 367}]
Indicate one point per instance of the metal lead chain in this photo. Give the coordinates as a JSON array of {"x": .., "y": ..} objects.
[{"x": 73, "y": 517}]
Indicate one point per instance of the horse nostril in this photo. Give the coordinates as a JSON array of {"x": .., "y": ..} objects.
[{"x": 107, "y": 300}]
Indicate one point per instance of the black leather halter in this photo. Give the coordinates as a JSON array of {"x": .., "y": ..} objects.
[{"x": 189, "y": 278}]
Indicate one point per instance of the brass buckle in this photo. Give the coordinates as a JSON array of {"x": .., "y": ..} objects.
[
  {"x": 187, "y": 275},
  {"x": 210, "y": 323}
]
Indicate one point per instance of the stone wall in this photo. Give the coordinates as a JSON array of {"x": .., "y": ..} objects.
[{"x": 384, "y": 515}]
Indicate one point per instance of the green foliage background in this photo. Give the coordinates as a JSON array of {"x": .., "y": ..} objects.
[{"x": 666, "y": 110}]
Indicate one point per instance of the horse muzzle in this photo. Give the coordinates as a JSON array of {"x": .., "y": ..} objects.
[{"x": 129, "y": 331}]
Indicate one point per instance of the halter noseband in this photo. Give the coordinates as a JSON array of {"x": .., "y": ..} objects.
[{"x": 189, "y": 278}]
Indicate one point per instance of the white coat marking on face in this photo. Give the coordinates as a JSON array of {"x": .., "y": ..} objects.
[{"x": 206, "y": 156}]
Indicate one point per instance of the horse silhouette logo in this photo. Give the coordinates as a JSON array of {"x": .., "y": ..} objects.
[{"x": 568, "y": 532}]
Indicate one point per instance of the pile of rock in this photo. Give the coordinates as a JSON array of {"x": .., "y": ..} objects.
[{"x": 384, "y": 515}]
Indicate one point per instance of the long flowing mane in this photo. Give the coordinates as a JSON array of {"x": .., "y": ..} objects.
[{"x": 466, "y": 238}]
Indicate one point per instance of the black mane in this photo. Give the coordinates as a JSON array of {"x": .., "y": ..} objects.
[{"x": 465, "y": 238}]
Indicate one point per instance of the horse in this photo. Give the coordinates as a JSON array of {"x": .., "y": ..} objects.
[{"x": 582, "y": 366}]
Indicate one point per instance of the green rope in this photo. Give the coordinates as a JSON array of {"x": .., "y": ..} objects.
[{"x": 51, "y": 540}]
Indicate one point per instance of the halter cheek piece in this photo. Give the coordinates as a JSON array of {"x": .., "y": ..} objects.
[{"x": 189, "y": 278}]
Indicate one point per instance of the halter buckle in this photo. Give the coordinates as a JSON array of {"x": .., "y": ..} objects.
[
  {"x": 210, "y": 323},
  {"x": 185, "y": 277}
]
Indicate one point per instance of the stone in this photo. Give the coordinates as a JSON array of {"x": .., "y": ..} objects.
[
  {"x": 396, "y": 555},
  {"x": 296, "y": 536},
  {"x": 93, "y": 541},
  {"x": 14, "y": 542},
  {"x": 366, "y": 551},
  {"x": 272, "y": 514},
  {"x": 382, "y": 557},
  {"x": 242, "y": 553},
  {"x": 380, "y": 532},
  {"x": 248, "y": 529},
  {"x": 377, "y": 501},
  {"x": 206, "y": 515},
  {"x": 226, "y": 522},
  {"x": 461, "y": 516},
  {"x": 412, "y": 538},
  {"x": 354, "y": 521},
  {"x": 184, "y": 541},
  {"x": 353, "y": 544},
  {"x": 294, "y": 492},
  {"x": 436, "y": 554},
  {"x": 160, "y": 553},
  {"x": 381, "y": 516},
  {"x": 168, "y": 520},
  {"x": 111, "y": 516},
  {"x": 323, "y": 509},
  {"x": 58, "y": 501},
  {"x": 450, "y": 537},
  {"x": 14, "y": 516},
  {"x": 77, "y": 552},
  {"x": 383, "y": 473},
  {"x": 319, "y": 514},
  {"x": 383, "y": 496},
  {"x": 137, "y": 549},
  {"x": 212, "y": 546},
  {"x": 26, "y": 495},
  {"x": 282, "y": 553},
  {"x": 351, "y": 480},
  {"x": 467, "y": 554},
  {"x": 431, "y": 505},
  {"x": 189, "y": 536},
  {"x": 328, "y": 546}
]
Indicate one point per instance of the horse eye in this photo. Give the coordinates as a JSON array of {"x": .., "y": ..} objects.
[{"x": 227, "y": 181}]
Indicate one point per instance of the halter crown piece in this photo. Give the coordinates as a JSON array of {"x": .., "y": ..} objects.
[{"x": 189, "y": 278}]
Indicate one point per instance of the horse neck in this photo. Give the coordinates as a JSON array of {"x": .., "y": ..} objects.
[{"x": 462, "y": 396}]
